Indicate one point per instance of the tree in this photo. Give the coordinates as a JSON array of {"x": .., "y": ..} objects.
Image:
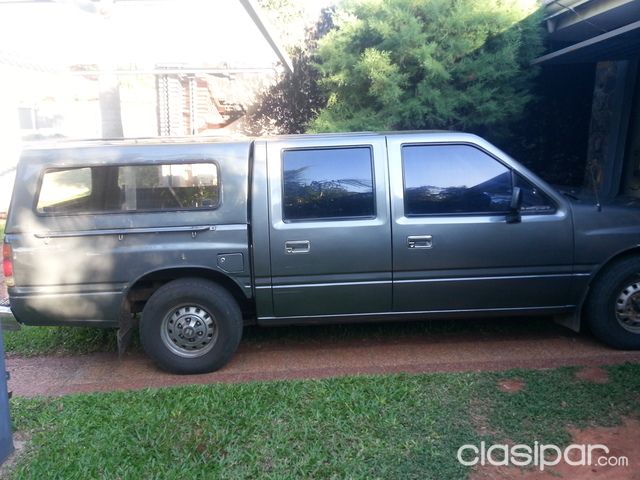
[
  {"x": 288, "y": 18},
  {"x": 296, "y": 99},
  {"x": 422, "y": 64}
]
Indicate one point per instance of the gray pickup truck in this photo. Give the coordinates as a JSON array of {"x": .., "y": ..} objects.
[{"x": 202, "y": 237}]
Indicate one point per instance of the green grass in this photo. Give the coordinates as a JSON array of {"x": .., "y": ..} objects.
[
  {"x": 32, "y": 341},
  {"x": 395, "y": 426}
]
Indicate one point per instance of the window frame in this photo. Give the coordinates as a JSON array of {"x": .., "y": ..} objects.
[
  {"x": 369, "y": 147},
  {"x": 40, "y": 213},
  {"x": 512, "y": 171}
]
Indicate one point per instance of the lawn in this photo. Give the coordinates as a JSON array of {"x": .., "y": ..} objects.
[
  {"x": 31, "y": 341},
  {"x": 393, "y": 426}
]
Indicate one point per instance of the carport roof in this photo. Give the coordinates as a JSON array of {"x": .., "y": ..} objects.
[
  {"x": 139, "y": 34},
  {"x": 591, "y": 30},
  {"x": 619, "y": 44}
]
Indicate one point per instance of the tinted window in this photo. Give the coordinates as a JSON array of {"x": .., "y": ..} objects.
[
  {"x": 130, "y": 188},
  {"x": 328, "y": 183},
  {"x": 453, "y": 179}
]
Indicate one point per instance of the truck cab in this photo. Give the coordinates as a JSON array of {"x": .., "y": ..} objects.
[{"x": 408, "y": 223}]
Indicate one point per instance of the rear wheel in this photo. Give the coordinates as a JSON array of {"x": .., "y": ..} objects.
[
  {"x": 613, "y": 307},
  {"x": 191, "y": 326}
]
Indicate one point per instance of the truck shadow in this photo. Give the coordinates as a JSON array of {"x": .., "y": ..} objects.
[{"x": 491, "y": 329}]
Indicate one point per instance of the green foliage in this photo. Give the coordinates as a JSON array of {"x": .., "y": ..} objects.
[
  {"x": 290, "y": 104},
  {"x": 287, "y": 17},
  {"x": 421, "y": 64}
]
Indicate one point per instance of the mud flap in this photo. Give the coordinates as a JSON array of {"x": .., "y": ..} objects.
[
  {"x": 570, "y": 321},
  {"x": 126, "y": 326}
]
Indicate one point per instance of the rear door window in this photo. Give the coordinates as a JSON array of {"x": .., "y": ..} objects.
[{"x": 328, "y": 184}]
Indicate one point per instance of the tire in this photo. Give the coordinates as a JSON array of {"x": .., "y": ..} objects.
[
  {"x": 191, "y": 326},
  {"x": 613, "y": 305}
]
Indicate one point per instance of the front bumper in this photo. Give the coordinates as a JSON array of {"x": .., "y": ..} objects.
[{"x": 7, "y": 319}]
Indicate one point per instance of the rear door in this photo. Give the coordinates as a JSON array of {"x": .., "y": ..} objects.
[
  {"x": 453, "y": 247},
  {"x": 330, "y": 236}
]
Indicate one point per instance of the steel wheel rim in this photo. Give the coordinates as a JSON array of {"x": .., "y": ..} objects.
[
  {"x": 189, "y": 331},
  {"x": 627, "y": 307}
]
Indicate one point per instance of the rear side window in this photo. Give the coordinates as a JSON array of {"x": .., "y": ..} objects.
[
  {"x": 328, "y": 184},
  {"x": 454, "y": 179},
  {"x": 130, "y": 188},
  {"x": 65, "y": 187}
]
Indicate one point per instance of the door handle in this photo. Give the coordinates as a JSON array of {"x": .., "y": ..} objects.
[
  {"x": 420, "y": 241},
  {"x": 297, "y": 246}
]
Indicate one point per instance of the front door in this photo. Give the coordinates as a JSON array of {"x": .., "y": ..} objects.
[
  {"x": 329, "y": 226},
  {"x": 454, "y": 250}
]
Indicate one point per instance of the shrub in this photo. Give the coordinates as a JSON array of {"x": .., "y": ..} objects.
[{"x": 423, "y": 64}]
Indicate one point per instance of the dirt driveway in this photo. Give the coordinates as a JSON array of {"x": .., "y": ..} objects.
[{"x": 315, "y": 352}]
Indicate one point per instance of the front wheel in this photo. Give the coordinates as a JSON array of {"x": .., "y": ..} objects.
[
  {"x": 191, "y": 326},
  {"x": 613, "y": 307}
]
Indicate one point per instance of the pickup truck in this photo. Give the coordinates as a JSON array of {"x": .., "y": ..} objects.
[{"x": 192, "y": 239}]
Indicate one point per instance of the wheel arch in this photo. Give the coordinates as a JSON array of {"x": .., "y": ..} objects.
[
  {"x": 144, "y": 286},
  {"x": 622, "y": 255}
]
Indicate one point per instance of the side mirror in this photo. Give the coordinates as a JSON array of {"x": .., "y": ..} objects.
[{"x": 514, "y": 208}]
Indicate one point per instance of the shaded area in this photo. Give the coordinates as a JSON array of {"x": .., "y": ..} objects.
[{"x": 553, "y": 136}]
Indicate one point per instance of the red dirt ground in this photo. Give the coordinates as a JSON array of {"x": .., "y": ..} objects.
[
  {"x": 593, "y": 375},
  {"x": 511, "y": 385},
  {"x": 621, "y": 441}
]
